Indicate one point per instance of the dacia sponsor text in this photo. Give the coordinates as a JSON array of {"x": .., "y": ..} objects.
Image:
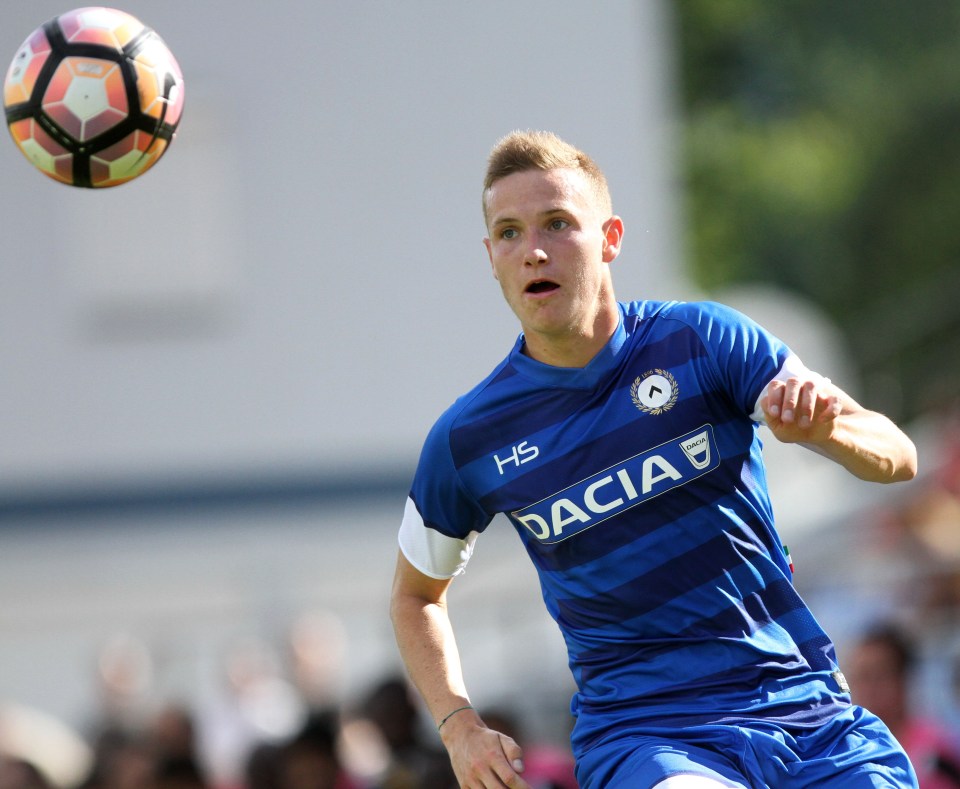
[{"x": 622, "y": 486}]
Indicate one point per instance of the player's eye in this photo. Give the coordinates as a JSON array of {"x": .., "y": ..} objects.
[
  {"x": 508, "y": 233},
  {"x": 559, "y": 224}
]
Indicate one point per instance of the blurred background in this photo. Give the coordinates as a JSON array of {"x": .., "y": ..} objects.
[{"x": 216, "y": 379}]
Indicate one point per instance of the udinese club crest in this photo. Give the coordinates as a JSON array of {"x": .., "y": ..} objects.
[{"x": 654, "y": 392}]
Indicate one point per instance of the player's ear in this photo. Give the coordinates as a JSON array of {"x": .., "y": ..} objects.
[
  {"x": 486, "y": 243},
  {"x": 612, "y": 238}
]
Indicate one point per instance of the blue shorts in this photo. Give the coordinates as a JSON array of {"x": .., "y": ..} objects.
[{"x": 854, "y": 749}]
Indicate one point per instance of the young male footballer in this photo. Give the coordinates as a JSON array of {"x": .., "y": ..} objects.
[{"x": 621, "y": 440}]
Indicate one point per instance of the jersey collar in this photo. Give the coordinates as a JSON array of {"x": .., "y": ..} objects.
[{"x": 572, "y": 377}]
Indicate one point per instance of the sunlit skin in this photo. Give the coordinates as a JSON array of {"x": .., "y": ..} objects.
[
  {"x": 818, "y": 414},
  {"x": 551, "y": 245}
]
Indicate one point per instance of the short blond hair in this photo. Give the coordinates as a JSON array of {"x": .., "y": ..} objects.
[{"x": 520, "y": 151}]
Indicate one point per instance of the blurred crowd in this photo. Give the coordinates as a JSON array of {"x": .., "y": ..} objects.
[
  {"x": 261, "y": 737},
  {"x": 280, "y": 721},
  {"x": 905, "y": 665}
]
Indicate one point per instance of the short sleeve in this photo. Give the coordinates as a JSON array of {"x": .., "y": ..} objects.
[
  {"x": 746, "y": 355},
  {"x": 442, "y": 519}
]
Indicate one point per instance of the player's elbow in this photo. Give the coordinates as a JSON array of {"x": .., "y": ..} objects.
[
  {"x": 901, "y": 467},
  {"x": 405, "y": 605},
  {"x": 907, "y": 469},
  {"x": 400, "y": 602},
  {"x": 401, "y": 611}
]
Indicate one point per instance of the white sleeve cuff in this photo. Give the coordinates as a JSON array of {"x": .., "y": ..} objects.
[
  {"x": 792, "y": 368},
  {"x": 431, "y": 552}
]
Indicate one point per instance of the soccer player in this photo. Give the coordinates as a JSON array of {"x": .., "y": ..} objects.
[{"x": 621, "y": 440}]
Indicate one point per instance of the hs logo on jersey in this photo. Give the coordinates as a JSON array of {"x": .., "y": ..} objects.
[
  {"x": 521, "y": 453},
  {"x": 620, "y": 487}
]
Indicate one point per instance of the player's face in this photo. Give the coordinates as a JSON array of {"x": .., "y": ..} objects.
[{"x": 550, "y": 246}]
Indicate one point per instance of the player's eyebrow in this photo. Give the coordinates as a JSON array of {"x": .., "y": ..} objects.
[
  {"x": 546, "y": 214},
  {"x": 503, "y": 220}
]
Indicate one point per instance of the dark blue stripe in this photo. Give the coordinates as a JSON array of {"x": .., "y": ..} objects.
[
  {"x": 751, "y": 676},
  {"x": 519, "y": 417},
  {"x": 677, "y": 576},
  {"x": 768, "y": 606}
]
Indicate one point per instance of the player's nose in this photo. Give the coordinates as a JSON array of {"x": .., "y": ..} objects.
[{"x": 534, "y": 255}]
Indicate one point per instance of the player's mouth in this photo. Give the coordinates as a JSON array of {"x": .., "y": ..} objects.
[{"x": 540, "y": 287}]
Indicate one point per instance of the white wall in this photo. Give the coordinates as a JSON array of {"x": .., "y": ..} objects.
[
  {"x": 300, "y": 283},
  {"x": 297, "y": 289}
]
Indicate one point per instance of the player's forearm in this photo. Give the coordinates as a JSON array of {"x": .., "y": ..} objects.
[
  {"x": 870, "y": 447},
  {"x": 429, "y": 651}
]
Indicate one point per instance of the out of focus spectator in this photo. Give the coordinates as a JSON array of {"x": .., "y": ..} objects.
[
  {"x": 881, "y": 673},
  {"x": 256, "y": 704},
  {"x": 124, "y": 680},
  {"x": 310, "y": 760},
  {"x": 19, "y": 774},
  {"x": 178, "y": 773},
  {"x": 416, "y": 760},
  {"x": 173, "y": 737},
  {"x": 262, "y": 767},
  {"x": 122, "y": 760},
  {"x": 173, "y": 733},
  {"x": 38, "y": 751},
  {"x": 317, "y": 646},
  {"x": 161, "y": 754}
]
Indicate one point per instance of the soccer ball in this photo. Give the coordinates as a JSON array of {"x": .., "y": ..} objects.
[{"x": 93, "y": 97}]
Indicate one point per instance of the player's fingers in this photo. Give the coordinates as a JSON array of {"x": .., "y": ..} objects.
[
  {"x": 837, "y": 406},
  {"x": 791, "y": 396},
  {"x": 772, "y": 402},
  {"x": 513, "y": 752},
  {"x": 829, "y": 407},
  {"x": 514, "y": 756},
  {"x": 807, "y": 401}
]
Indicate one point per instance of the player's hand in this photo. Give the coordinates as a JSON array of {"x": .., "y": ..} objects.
[
  {"x": 481, "y": 757},
  {"x": 802, "y": 409}
]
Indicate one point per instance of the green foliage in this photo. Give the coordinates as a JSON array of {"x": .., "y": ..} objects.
[{"x": 822, "y": 154}]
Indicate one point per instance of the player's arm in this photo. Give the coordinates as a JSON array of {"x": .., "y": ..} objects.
[
  {"x": 808, "y": 409},
  {"x": 481, "y": 757}
]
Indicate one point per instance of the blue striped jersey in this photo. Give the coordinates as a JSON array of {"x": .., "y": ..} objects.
[{"x": 637, "y": 487}]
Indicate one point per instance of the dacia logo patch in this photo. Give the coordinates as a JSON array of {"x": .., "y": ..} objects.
[
  {"x": 621, "y": 486},
  {"x": 654, "y": 392}
]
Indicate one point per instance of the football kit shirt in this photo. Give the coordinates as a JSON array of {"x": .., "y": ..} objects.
[{"x": 637, "y": 486}]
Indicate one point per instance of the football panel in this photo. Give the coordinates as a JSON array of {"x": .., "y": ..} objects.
[
  {"x": 105, "y": 26},
  {"x": 24, "y": 69},
  {"x": 86, "y": 97},
  {"x": 125, "y": 160},
  {"x": 159, "y": 82},
  {"x": 43, "y": 152}
]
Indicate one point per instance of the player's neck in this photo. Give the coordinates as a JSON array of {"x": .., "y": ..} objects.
[{"x": 574, "y": 348}]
